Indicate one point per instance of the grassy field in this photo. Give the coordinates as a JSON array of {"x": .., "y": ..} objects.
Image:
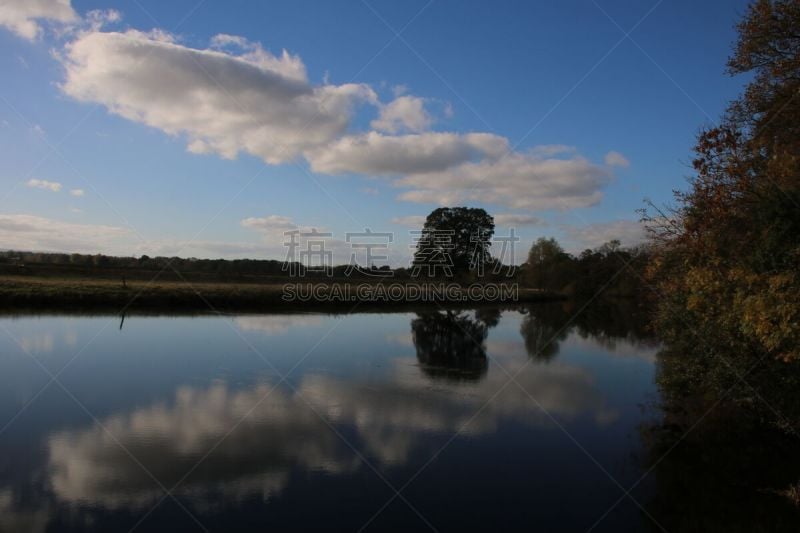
[{"x": 31, "y": 292}]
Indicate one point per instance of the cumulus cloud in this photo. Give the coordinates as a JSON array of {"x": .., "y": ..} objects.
[
  {"x": 520, "y": 181},
  {"x": 34, "y": 233},
  {"x": 628, "y": 232},
  {"x": 376, "y": 154},
  {"x": 500, "y": 219},
  {"x": 96, "y": 19},
  {"x": 23, "y": 17},
  {"x": 53, "y": 186},
  {"x": 517, "y": 220},
  {"x": 271, "y": 223},
  {"x": 225, "y": 102},
  {"x": 237, "y": 97},
  {"x": 616, "y": 159},
  {"x": 403, "y": 113},
  {"x": 549, "y": 150},
  {"x": 77, "y": 192}
]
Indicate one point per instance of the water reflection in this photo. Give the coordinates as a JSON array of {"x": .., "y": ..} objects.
[
  {"x": 715, "y": 460},
  {"x": 266, "y": 434},
  {"x": 258, "y": 435},
  {"x": 621, "y": 327},
  {"x": 542, "y": 337},
  {"x": 286, "y": 429},
  {"x": 13, "y": 518},
  {"x": 276, "y": 324},
  {"x": 451, "y": 345}
]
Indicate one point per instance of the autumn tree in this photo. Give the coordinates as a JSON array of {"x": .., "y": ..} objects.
[{"x": 728, "y": 252}]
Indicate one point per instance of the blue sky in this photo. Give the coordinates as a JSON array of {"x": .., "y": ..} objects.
[{"x": 188, "y": 131}]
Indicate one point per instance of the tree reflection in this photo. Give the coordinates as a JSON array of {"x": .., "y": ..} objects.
[
  {"x": 541, "y": 337},
  {"x": 718, "y": 465},
  {"x": 451, "y": 345},
  {"x": 604, "y": 322},
  {"x": 724, "y": 452}
]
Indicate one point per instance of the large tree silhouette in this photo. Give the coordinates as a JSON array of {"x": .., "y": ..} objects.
[{"x": 454, "y": 241}]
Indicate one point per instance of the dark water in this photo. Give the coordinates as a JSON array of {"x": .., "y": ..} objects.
[{"x": 316, "y": 422}]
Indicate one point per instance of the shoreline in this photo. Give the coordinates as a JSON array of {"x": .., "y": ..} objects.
[{"x": 23, "y": 293}]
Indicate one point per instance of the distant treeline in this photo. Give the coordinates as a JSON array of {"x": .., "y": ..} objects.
[
  {"x": 609, "y": 268},
  {"x": 15, "y": 261},
  {"x": 45, "y": 263}
]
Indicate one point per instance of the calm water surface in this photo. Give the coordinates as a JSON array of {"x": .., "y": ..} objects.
[{"x": 315, "y": 422}]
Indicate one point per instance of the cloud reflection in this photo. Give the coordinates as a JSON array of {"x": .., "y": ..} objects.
[
  {"x": 278, "y": 433},
  {"x": 285, "y": 432},
  {"x": 276, "y": 324}
]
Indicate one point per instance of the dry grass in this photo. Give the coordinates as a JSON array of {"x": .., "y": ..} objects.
[{"x": 68, "y": 293}]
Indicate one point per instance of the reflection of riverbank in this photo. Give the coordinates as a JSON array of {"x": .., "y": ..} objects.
[
  {"x": 721, "y": 473},
  {"x": 718, "y": 464}
]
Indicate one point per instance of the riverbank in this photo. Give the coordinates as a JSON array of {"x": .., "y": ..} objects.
[{"x": 31, "y": 293}]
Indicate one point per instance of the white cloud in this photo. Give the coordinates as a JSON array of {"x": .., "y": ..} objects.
[
  {"x": 224, "y": 102},
  {"x": 549, "y": 150},
  {"x": 447, "y": 111},
  {"x": 270, "y": 224},
  {"x": 237, "y": 97},
  {"x": 98, "y": 18},
  {"x": 287, "y": 65},
  {"x": 501, "y": 219},
  {"x": 23, "y": 16},
  {"x": 628, "y": 232},
  {"x": 34, "y": 233},
  {"x": 517, "y": 220},
  {"x": 272, "y": 229},
  {"x": 448, "y": 168},
  {"x": 77, "y": 192},
  {"x": 519, "y": 181},
  {"x": 399, "y": 90},
  {"x": 403, "y": 113},
  {"x": 386, "y": 155},
  {"x": 616, "y": 159},
  {"x": 53, "y": 186}
]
